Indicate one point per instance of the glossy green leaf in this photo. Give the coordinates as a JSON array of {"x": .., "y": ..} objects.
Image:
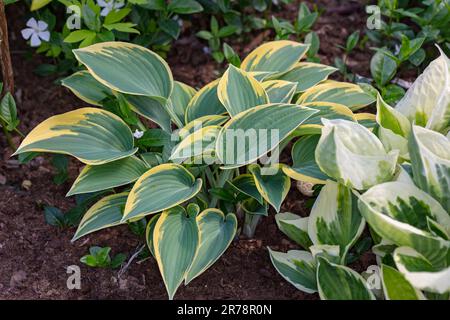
[{"x": 396, "y": 287}]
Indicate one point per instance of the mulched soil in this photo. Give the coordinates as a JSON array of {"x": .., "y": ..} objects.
[{"x": 34, "y": 255}]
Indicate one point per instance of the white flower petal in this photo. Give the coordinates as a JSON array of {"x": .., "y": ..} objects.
[
  {"x": 105, "y": 12},
  {"x": 44, "y": 35},
  {"x": 32, "y": 23},
  {"x": 35, "y": 41},
  {"x": 138, "y": 134},
  {"x": 101, "y": 3},
  {"x": 118, "y": 4},
  {"x": 26, "y": 33},
  {"x": 42, "y": 25}
]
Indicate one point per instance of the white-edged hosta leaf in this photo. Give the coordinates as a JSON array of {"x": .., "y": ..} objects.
[
  {"x": 349, "y": 94},
  {"x": 421, "y": 272},
  {"x": 175, "y": 240},
  {"x": 150, "y": 108},
  {"x": 328, "y": 110},
  {"x": 430, "y": 159},
  {"x": 279, "y": 91},
  {"x": 429, "y": 94},
  {"x": 93, "y": 136},
  {"x": 297, "y": 267},
  {"x": 246, "y": 184},
  {"x": 304, "y": 167},
  {"x": 106, "y": 213},
  {"x": 128, "y": 68},
  {"x": 273, "y": 187},
  {"x": 149, "y": 231},
  {"x": 350, "y": 153},
  {"x": 215, "y": 231},
  {"x": 398, "y": 212},
  {"x": 108, "y": 175},
  {"x": 160, "y": 188},
  {"x": 200, "y": 142},
  {"x": 396, "y": 287},
  {"x": 295, "y": 227},
  {"x": 238, "y": 91},
  {"x": 205, "y": 102},
  {"x": 307, "y": 75},
  {"x": 252, "y": 133},
  {"x": 337, "y": 282},
  {"x": 180, "y": 97},
  {"x": 335, "y": 218},
  {"x": 329, "y": 252},
  {"x": 86, "y": 87},
  {"x": 275, "y": 56}
]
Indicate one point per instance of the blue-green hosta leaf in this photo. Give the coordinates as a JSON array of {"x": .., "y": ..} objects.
[
  {"x": 175, "y": 240},
  {"x": 205, "y": 102},
  {"x": 430, "y": 160},
  {"x": 200, "y": 142},
  {"x": 128, "y": 68},
  {"x": 304, "y": 166},
  {"x": 246, "y": 184},
  {"x": 253, "y": 207},
  {"x": 307, "y": 75},
  {"x": 279, "y": 91},
  {"x": 295, "y": 227},
  {"x": 396, "y": 287},
  {"x": 297, "y": 267},
  {"x": 238, "y": 91},
  {"x": 337, "y": 282},
  {"x": 274, "y": 187},
  {"x": 160, "y": 188},
  {"x": 368, "y": 120},
  {"x": 328, "y": 110},
  {"x": 216, "y": 231},
  {"x": 275, "y": 56},
  {"x": 151, "y": 109},
  {"x": 251, "y": 134},
  {"x": 398, "y": 212},
  {"x": 91, "y": 135},
  {"x": 199, "y": 123},
  {"x": 149, "y": 231},
  {"x": 335, "y": 218},
  {"x": 104, "y": 214},
  {"x": 108, "y": 175},
  {"x": 350, "y": 153},
  {"x": 86, "y": 87},
  {"x": 348, "y": 94},
  {"x": 427, "y": 101},
  {"x": 181, "y": 95},
  {"x": 421, "y": 272}
]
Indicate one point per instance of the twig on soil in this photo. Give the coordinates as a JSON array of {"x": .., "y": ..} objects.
[{"x": 125, "y": 267}]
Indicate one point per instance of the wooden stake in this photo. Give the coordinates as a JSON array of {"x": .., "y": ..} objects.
[{"x": 5, "y": 57}]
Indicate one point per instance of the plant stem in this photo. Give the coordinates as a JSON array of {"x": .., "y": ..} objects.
[
  {"x": 8, "y": 135},
  {"x": 224, "y": 175},
  {"x": 250, "y": 223}
]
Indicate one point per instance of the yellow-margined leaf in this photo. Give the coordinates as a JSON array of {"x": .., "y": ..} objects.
[
  {"x": 200, "y": 142},
  {"x": 181, "y": 95},
  {"x": 85, "y": 87},
  {"x": 205, "y": 102},
  {"x": 150, "y": 108},
  {"x": 307, "y": 74},
  {"x": 38, "y": 4},
  {"x": 279, "y": 91}
]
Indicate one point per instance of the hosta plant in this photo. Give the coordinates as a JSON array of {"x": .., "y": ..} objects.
[
  {"x": 394, "y": 179},
  {"x": 207, "y": 155}
]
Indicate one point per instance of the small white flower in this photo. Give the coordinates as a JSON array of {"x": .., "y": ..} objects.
[
  {"x": 178, "y": 20},
  {"x": 37, "y": 31},
  {"x": 206, "y": 50},
  {"x": 109, "y": 5},
  {"x": 138, "y": 134}
]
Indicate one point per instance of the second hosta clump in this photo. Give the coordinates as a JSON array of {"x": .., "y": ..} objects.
[{"x": 214, "y": 153}]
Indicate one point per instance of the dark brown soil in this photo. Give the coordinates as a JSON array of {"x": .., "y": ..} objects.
[{"x": 34, "y": 255}]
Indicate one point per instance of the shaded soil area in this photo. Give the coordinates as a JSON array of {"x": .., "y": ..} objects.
[{"x": 34, "y": 255}]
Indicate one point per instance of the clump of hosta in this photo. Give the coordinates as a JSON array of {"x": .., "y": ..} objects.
[
  {"x": 216, "y": 148},
  {"x": 396, "y": 180}
]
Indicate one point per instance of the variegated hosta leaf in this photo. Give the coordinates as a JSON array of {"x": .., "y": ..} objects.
[
  {"x": 151, "y": 109},
  {"x": 87, "y": 88},
  {"x": 304, "y": 166},
  {"x": 398, "y": 212},
  {"x": 199, "y": 123},
  {"x": 104, "y": 214},
  {"x": 367, "y": 120},
  {"x": 238, "y": 91},
  {"x": 181, "y": 95},
  {"x": 335, "y": 218},
  {"x": 430, "y": 160},
  {"x": 328, "y": 110},
  {"x": 295, "y": 227},
  {"x": 246, "y": 184},
  {"x": 160, "y": 188},
  {"x": 337, "y": 282},
  {"x": 251, "y": 134},
  {"x": 175, "y": 240},
  {"x": 307, "y": 75},
  {"x": 91, "y": 135},
  {"x": 149, "y": 231},
  {"x": 353, "y": 155},
  {"x": 275, "y": 57},
  {"x": 273, "y": 187},
  {"x": 329, "y": 252},
  {"x": 421, "y": 272},
  {"x": 348, "y": 94},
  {"x": 396, "y": 287},
  {"x": 279, "y": 91},
  {"x": 205, "y": 102},
  {"x": 200, "y": 142},
  {"x": 108, "y": 175},
  {"x": 427, "y": 101},
  {"x": 297, "y": 267},
  {"x": 215, "y": 231},
  {"x": 128, "y": 68}
]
